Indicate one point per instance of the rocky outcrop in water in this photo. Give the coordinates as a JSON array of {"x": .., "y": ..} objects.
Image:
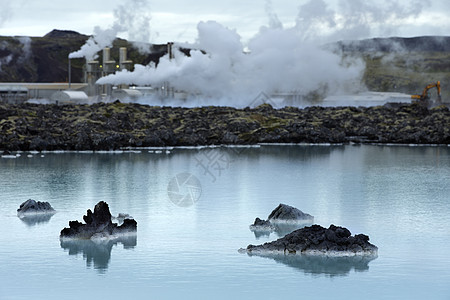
[
  {"x": 33, "y": 207},
  {"x": 317, "y": 240},
  {"x": 117, "y": 125},
  {"x": 285, "y": 213},
  {"x": 98, "y": 225},
  {"x": 282, "y": 216}
]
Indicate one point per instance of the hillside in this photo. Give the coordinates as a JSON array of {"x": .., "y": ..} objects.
[
  {"x": 403, "y": 64},
  {"x": 392, "y": 64},
  {"x": 44, "y": 59}
]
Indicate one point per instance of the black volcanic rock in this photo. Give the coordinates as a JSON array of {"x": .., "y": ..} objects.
[
  {"x": 287, "y": 213},
  {"x": 35, "y": 207},
  {"x": 317, "y": 240},
  {"x": 283, "y": 219},
  {"x": 118, "y": 125},
  {"x": 98, "y": 224}
]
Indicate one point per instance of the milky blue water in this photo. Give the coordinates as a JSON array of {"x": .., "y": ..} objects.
[{"x": 187, "y": 239}]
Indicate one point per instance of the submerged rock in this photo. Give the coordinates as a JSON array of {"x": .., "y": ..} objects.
[
  {"x": 317, "y": 240},
  {"x": 286, "y": 213},
  {"x": 98, "y": 225},
  {"x": 33, "y": 207}
]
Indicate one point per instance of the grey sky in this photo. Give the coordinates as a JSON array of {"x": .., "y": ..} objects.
[{"x": 176, "y": 20}]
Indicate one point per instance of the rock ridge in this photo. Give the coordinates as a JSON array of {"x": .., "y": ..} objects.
[{"x": 113, "y": 126}]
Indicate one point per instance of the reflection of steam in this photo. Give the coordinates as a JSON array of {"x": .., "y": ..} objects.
[
  {"x": 323, "y": 265},
  {"x": 97, "y": 252},
  {"x": 35, "y": 219}
]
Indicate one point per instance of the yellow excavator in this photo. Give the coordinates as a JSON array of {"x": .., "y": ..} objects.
[{"x": 424, "y": 97}]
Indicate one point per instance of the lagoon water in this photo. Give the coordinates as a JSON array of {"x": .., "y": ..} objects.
[{"x": 188, "y": 234}]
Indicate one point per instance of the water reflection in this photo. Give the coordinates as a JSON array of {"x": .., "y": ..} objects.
[
  {"x": 323, "y": 265},
  {"x": 36, "y": 219},
  {"x": 97, "y": 253}
]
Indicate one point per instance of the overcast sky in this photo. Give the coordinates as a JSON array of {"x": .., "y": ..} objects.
[{"x": 159, "y": 21}]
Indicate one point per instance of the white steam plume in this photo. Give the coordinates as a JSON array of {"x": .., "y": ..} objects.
[
  {"x": 279, "y": 59},
  {"x": 26, "y": 48},
  {"x": 354, "y": 19},
  {"x": 132, "y": 18},
  {"x": 5, "y": 60},
  {"x": 100, "y": 39},
  {"x": 5, "y": 11},
  {"x": 274, "y": 22}
]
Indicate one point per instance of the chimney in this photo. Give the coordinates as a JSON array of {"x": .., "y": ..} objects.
[
  {"x": 124, "y": 63},
  {"x": 92, "y": 75},
  {"x": 170, "y": 50},
  {"x": 109, "y": 66}
]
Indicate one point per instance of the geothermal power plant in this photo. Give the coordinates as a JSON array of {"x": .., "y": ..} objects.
[
  {"x": 75, "y": 92},
  {"x": 89, "y": 91}
]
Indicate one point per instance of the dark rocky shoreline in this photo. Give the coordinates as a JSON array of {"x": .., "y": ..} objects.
[{"x": 117, "y": 125}]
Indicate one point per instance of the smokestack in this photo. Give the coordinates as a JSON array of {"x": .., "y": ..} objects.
[
  {"x": 108, "y": 64},
  {"x": 106, "y": 55},
  {"x": 124, "y": 63},
  {"x": 92, "y": 75},
  {"x": 170, "y": 50}
]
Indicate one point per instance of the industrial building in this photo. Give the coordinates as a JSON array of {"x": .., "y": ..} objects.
[
  {"x": 74, "y": 93},
  {"x": 15, "y": 93}
]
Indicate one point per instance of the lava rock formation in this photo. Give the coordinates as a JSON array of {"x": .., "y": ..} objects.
[
  {"x": 98, "y": 224},
  {"x": 317, "y": 240},
  {"x": 31, "y": 207}
]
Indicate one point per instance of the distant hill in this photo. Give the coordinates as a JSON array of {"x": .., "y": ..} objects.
[
  {"x": 45, "y": 59},
  {"x": 404, "y": 65},
  {"x": 398, "y": 44}
]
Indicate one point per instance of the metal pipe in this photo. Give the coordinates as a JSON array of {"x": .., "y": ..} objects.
[{"x": 70, "y": 74}]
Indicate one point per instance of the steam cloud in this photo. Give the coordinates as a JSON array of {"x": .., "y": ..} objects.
[
  {"x": 279, "y": 59},
  {"x": 355, "y": 19},
  {"x": 5, "y": 12},
  {"x": 132, "y": 18},
  {"x": 6, "y": 59},
  {"x": 26, "y": 48}
]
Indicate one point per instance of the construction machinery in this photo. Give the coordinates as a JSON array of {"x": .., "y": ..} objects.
[{"x": 424, "y": 97}]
